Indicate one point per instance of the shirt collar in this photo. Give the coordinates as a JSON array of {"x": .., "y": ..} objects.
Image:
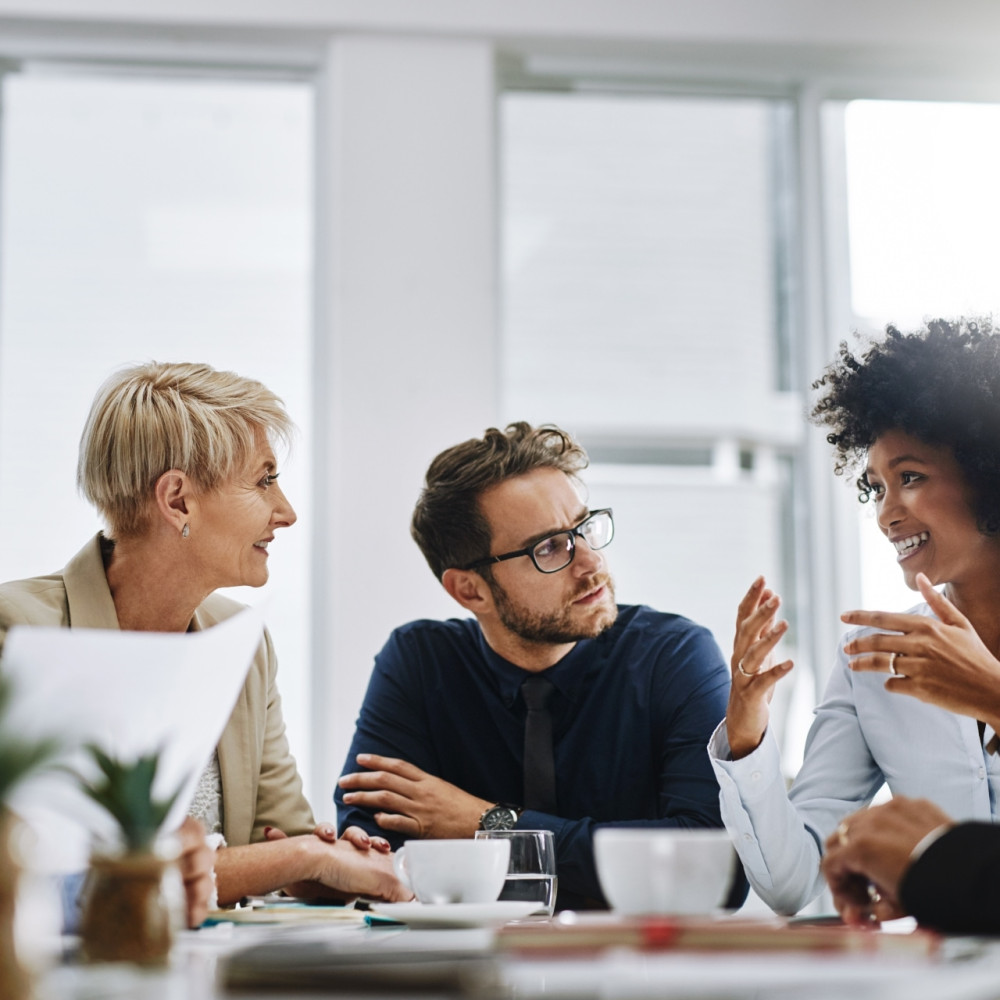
[{"x": 568, "y": 676}]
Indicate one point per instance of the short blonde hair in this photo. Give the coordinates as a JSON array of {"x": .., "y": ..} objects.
[{"x": 154, "y": 417}]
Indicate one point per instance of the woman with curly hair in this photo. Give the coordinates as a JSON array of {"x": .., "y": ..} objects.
[{"x": 917, "y": 417}]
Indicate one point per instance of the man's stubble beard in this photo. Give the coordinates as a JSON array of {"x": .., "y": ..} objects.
[{"x": 557, "y": 627}]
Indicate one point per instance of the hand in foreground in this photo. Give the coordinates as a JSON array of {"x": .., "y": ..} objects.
[
  {"x": 407, "y": 800},
  {"x": 755, "y": 672},
  {"x": 868, "y": 854},
  {"x": 939, "y": 660},
  {"x": 195, "y": 863}
]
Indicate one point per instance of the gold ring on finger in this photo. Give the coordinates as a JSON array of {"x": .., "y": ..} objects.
[{"x": 841, "y": 832}]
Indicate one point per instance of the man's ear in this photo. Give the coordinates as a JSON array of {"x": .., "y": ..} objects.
[
  {"x": 468, "y": 588},
  {"x": 173, "y": 493}
]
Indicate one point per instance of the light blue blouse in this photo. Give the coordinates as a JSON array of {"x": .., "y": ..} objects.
[{"x": 861, "y": 737}]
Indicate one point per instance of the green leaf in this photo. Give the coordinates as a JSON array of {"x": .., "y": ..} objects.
[{"x": 126, "y": 792}]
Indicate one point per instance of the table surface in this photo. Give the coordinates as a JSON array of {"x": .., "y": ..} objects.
[{"x": 967, "y": 969}]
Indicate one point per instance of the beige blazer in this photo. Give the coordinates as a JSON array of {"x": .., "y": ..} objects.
[{"x": 260, "y": 783}]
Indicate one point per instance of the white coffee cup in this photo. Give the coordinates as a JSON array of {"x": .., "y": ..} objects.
[
  {"x": 664, "y": 871},
  {"x": 453, "y": 871}
]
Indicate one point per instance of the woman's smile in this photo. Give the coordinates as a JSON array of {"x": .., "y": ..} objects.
[
  {"x": 906, "y": 547},
  {"x": 925, "y": 510}
]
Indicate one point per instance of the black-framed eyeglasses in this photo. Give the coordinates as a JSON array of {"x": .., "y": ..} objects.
[{"x": 556, "y": 551}]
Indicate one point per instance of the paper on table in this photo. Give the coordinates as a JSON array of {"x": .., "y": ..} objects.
[{"x": 131, "y": 693}]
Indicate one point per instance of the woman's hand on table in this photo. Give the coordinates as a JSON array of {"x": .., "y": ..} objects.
[
  {"x": 940, "y": 660},
  {"x": 316, "y": 865},
  {"x": 755, "y": 672},
  {"x": 346, "y": 871},
  {"x": 355, "y": 835}
]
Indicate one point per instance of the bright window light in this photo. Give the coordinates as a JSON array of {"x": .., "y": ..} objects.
[{"x": 924, "y": 211}]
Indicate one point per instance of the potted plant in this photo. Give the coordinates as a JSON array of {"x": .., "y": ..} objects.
[
  {"x": 18, "y": 759},
  {"x": 125, "y": 917}
]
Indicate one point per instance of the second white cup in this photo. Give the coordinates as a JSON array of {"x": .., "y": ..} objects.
[
  {"x": 453, "y": 871},
  {"x": 664, "y": 870}
]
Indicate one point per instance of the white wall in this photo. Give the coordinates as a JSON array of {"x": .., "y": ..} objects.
[{"x": 406, "y": 307}]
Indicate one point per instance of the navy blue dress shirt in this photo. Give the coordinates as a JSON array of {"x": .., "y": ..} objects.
[{"x": 632, "y": 713}]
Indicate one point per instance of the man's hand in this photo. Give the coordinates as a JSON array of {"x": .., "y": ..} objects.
[
  {"x": 407, "y": 800},
  {"x": 195, "y": 863},
  {"x": 868, "y": 854}
]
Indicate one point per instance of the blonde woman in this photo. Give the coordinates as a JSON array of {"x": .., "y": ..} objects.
[{"x": 179, "y": 459}]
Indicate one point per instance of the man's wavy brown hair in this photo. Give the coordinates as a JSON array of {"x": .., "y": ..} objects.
[{"x": 447, "y": 523}]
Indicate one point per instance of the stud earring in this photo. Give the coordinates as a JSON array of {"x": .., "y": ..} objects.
[{"x": 185, "y": 531}]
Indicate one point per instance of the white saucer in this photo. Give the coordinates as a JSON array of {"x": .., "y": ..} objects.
[{"x": 457, "y": 914}]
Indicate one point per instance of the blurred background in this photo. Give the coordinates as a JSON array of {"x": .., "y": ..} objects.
[{"x": 648, "y": 221}]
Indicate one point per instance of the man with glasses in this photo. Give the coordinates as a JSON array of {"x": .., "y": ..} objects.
[{"x": 552, "y": 708}]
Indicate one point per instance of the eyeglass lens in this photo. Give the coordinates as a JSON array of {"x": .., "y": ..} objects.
[{"x": 556, "y": 551}]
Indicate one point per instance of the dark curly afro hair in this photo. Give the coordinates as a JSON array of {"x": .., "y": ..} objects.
[{"x": 940, "y": 384}]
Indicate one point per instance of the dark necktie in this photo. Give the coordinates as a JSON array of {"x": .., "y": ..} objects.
[{"x": 539, "y": 765}]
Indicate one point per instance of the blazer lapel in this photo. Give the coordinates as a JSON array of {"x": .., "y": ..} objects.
[{"x": 87, "y": 593}]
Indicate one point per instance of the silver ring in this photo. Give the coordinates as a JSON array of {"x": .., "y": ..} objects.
[
  {"x": 874, "y": 896},
  {"x": 739, "y": 667},
  {"x": 841, "y": 832},
  {"x": 892, "y": 664}
]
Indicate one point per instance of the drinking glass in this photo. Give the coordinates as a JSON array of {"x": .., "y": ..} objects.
[{"x": 531, "y": 873}]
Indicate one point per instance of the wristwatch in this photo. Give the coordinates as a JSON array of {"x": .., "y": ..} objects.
[{"x": 499, "y": 817}]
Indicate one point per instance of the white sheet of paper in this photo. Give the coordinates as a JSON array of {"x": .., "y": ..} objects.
[{"x": 131, "y": 693}]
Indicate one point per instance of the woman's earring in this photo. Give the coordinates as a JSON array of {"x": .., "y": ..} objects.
[{"x": 185, "y": 531}]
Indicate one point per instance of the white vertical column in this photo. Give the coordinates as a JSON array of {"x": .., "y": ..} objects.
[
  {"x": 831, "y": 524},
  {"x": 406, "y": 338}
]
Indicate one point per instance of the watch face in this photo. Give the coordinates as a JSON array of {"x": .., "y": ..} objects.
[{"x": 499, "y": 818}]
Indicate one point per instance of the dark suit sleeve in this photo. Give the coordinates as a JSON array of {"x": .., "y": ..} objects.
[{"x": 954, "y": 886}]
